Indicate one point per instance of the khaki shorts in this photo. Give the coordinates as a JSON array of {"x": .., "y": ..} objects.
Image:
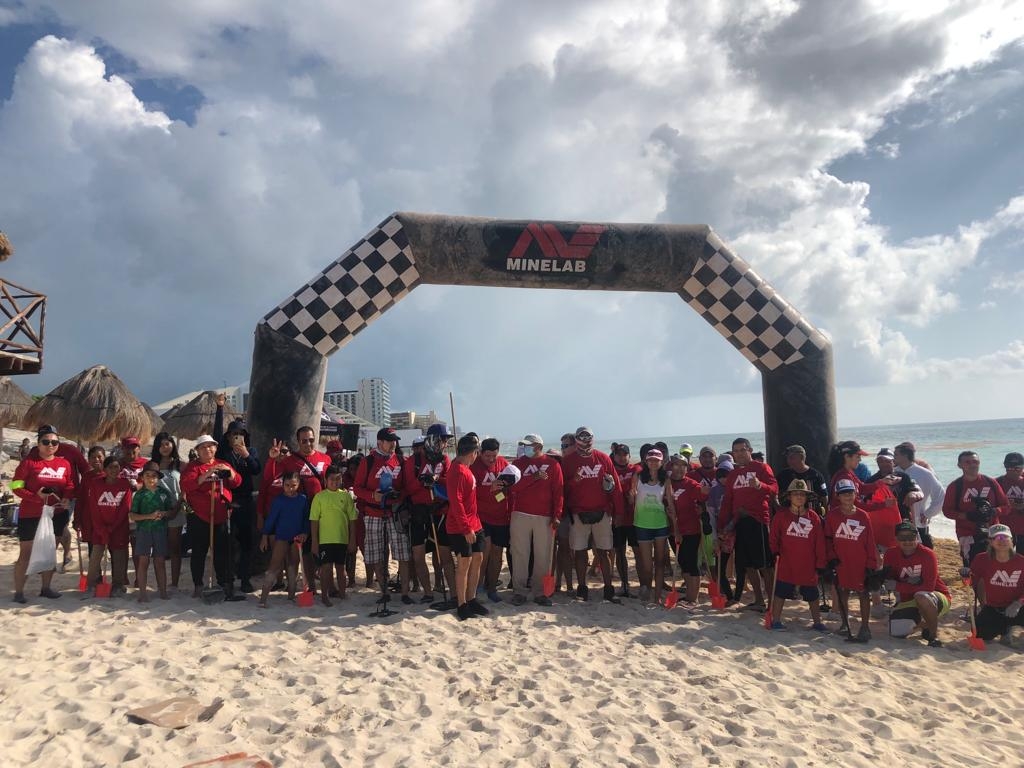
[{"x": 579, "y": 537}]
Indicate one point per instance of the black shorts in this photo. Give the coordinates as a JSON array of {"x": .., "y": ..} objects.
[
  {"x": 689, "y": 546},
  {"x": 333, "y": 554},
  {"x": 752, "y": 544},
  {"x": 60, "y": 522},
  {"x": 463, "y": 548},
  {"x": 788, "y": 591},
  {"x": 420, "y": 532},
  {"x": 623, "y": 535},
  {"x": 443, "y": 537},
  {"x": 27, "y": 527},
  {"x": 498, "y": 534}
]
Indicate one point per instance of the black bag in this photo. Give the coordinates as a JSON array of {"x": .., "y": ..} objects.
[{"x": 589, "y": 518}]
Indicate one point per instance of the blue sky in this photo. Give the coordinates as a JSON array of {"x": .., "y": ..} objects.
[{"x": 174, "y": 170}]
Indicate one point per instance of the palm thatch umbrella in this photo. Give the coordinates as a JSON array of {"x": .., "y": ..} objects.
[
  {"x": 170, "y": 412},
  {"x": 14, "y": 402},
  {"x": 95, "y": 405},
  {"x": 6, "y": 249},
  {"x": 195, "y": 417},
  {"x": 154, "y": 419}
]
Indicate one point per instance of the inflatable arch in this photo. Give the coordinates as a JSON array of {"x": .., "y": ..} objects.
[{"x": 294, "y": 339}]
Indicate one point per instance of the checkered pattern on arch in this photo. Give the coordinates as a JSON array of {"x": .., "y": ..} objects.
[
  {"x": 368, "y": 279},
  {"x": 747, "y": 311}
]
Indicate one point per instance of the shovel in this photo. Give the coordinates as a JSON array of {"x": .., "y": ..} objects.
[
  {"x": 549, "y": 578},
  {"x": 672, "y": 598},
  {"x": 975, "y": 642},
  {"x": 103, "y": 587},
  {"x": 305, "y": 597},
  {"x": 212, "y": 594},
  {"x": 83, "y": 580},
  {"x": 714, "y": 590}
]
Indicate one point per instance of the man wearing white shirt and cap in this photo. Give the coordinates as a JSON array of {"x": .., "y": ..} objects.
[{"x": 921, "y": 512}]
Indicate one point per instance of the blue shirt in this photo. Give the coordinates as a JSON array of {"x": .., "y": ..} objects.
[{"x": 288, "y": 518}]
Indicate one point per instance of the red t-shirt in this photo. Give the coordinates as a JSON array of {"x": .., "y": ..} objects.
[
  {"x": 850, "y": 540},
  {"x": 626, "y": 482},
  {"x": 492, "y": 511},
  {"x": 799, "y": 543},
  {"x": 920, "y": 564},
  {"x": 982, "y": 486},
  {"x": 462, "y": 517},
  {"x": 741, "y": 494},
  {"x": 412, "y": 488},
  {"x": 584, "y": 478},
  {"x": 109, "y": 504},
  {"x": 686, "y": 498},
  {"x": 83, "y": 516},
  {"x": 200, "y": 496},
  {"x": 536, "y": 496},
  {"x": 368, "y": 480},
  {"x": 34, "y": 474},
  {"x": 1004, "y": 582},
  {"x": 1014, "y": 490}
]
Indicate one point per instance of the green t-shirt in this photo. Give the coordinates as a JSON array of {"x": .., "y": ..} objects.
[
  {"x": 334, "y": 510},
  {"x": 146, "y": 502}
]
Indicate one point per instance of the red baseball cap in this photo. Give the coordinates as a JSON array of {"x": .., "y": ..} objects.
[{"x": 129, "y": 441}]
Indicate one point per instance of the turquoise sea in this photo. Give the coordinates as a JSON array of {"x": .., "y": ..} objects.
[{"x": 937, "y": 443}]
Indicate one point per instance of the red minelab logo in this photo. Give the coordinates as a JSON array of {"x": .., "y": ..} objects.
[{"x": 557, "y": 254}]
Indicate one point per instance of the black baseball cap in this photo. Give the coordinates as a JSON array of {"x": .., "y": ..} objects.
[
  {"x": 387, "y": 433},
  {"x": 1013, "y": 459}
]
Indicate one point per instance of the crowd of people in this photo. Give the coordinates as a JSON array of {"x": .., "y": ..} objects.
[{"x": 450, "y": 523}]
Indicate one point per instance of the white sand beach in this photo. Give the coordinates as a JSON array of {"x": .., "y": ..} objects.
[{"x": 571, "y": 685}]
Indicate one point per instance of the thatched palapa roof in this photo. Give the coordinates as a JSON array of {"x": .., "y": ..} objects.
[
  {"x": 154, "y": 419},
  {"x": 6, "y": 249},
  {"x": 95, "y": 405},
  {"x": 14, "y": 402},
  {"x": 195, "y": 417}
]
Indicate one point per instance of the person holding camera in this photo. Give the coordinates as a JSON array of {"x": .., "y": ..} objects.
[
  {"x": 234, "y": 447},
  {"x": 975, "y": 501},
  {"x": 998, "y": 575},
  {"x": 207, "y": 484},
  {"x": 46, "y": 481},
  {"x": 378, "y": 487},
  {"x": 420, "y": 473}
]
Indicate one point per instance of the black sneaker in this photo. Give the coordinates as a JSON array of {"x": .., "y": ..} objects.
[
  {"x": 476, "y": 609},
  {"x": 582, "y": 592},
  {"x": 19, "y": 597},
  {"x": 406, "y": 600},
  {"x": 463, "y": 612},
  {"x": 926, "y": 635},
  {"x": 609, "y": 596},
  {"x": 247, "y": 586},
  {"x": 542, "y": 600},
  {"x": 50, "y": 593}
]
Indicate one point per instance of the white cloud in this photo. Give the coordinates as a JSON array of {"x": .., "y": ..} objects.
[{"x": 316, "y": 124}]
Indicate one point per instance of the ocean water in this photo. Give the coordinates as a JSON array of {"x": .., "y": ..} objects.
[{"x": 937, "y": 443}]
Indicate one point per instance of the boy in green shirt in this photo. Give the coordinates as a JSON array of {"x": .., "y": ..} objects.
[
  {"x": 151, "y": 506},
  {"x": 332, "y": 517}
]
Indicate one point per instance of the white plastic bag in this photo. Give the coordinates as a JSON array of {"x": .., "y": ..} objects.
[{"x": 44, "y": 545}]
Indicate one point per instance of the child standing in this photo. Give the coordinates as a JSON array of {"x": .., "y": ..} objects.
[
  {"x": 850, "y": 548},
  {"x": 288, "y": 523},
  {"x": 332, "y": 519},
  {"x": 151, "y": 506},
  {"x": 109, "y": 502},
  {"x": 797, "y": 542}
]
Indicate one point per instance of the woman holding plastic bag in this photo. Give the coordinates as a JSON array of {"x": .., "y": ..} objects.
[{"x": 45, "y": 485}]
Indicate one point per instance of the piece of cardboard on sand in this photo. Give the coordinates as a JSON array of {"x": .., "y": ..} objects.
[
  {"x": 236, "y": 760},
  {"x": 175, "y": 713}
]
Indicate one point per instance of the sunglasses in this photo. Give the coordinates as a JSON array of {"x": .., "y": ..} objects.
[
  {"x": 568, "y": 445},
  {"x": 49, "y": 442},
  {"x": 584, "y": 438},
  {"x": 906, "y": 538}
]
